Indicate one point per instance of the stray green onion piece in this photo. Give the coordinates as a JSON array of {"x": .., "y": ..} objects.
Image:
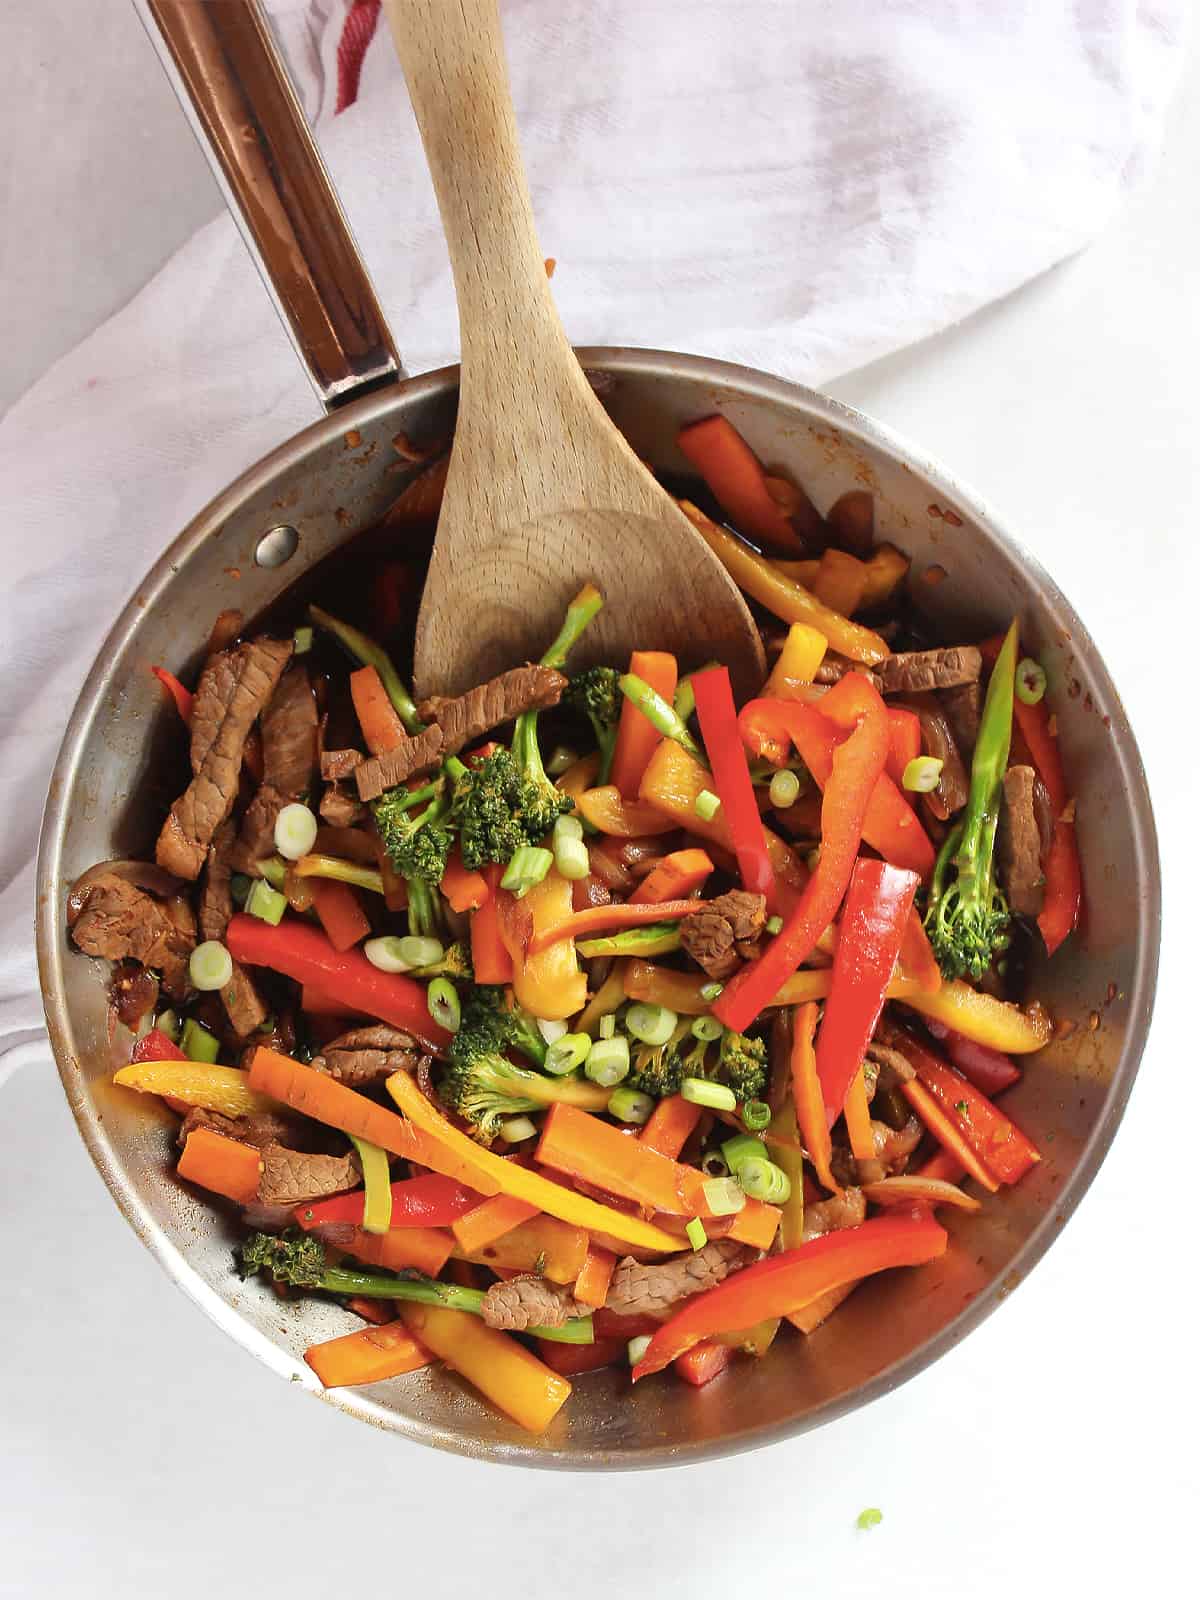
[
  {"x": 785, "y": 787},
  {"x": 707, "y": 1028},
  {"x": 707, "y": 805},
  {"x": 559, "y": 760},
  {"x": 922, "y": 774},
  {"x": 551, "y": 1028},
  {"x": 529, "y": 865},
  {"x": 420, "y": 951},
  {"x": 1030, "y": 682},
  {"x": 662, "y": 716},
  {"x": 630, "y": 1105},
  {"x": 514, "y": 1129},
  {"x": 637, "y": 1348},
  {"x": 384, "y": 953},
  {"x": 608, "y": 1025},
  {"x": 273, "y": 870},
  {"x": 571, "y": 856},
  {"x": 724, "y": 1197},
  {"x": 742, "y": 1147},
  {"x": 566, "y": 1053},
  {"x": 712, "y": 1164},
  {"x": 608, "y": 1061},
  {"x": 210, "y": 966},
  {"x": 710, "y": 991},
  {"x": 697, "y": 1237},
  {"x": 763, "y": 1180},
  {"x": 774, "y": 925},
  {"x": 444, "y": 1006},
  {"x": 716, "y": 1096},
  {"x": 870, "y": 1518},
  {"x": 302, "y": 641},
  {"x": 197, "y": 1043},
  {"x": 168, "y": 1023},
  {"x": 756, "y": 1114},
  {"x": 265, "y": 903},
  {"x": 651, "y": 1024},
  {"x": 377, "y": 1186}
]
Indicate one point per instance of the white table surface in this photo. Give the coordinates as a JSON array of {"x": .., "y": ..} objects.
[{"x": 1052, "y": 1452}]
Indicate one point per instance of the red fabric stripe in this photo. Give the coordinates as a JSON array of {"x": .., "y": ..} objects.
[{"x": 357, "y": 34}]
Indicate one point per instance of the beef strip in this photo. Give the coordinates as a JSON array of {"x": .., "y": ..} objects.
[
  {"x": 338, "y": 764},
  {"x": 725, "y": 933},
  {"x": 914, "y": 671},
  {"x": 893, "y": 1067},
  {"x": 234, "y": 687},
  {"x": 293, "y": 1177},
  {"x": 962, "y": 705},
  {"x": 893, "y": 1146},
  {"x": 844, "y": 1210},
  {"x": 260, "y": 1129},
  {"x": 1019, "y": 844},
  {"x": 368, "y": 1055},
  {"x": 243, "y": 1004},
  {"x": 289, "y": 737},
  {"x": 638, "y": 1288},
  {"x": 119, "y": 922},
  {"x": 378, "y": 773},
  {"x": 530, "y": 1302},
  {"x": 339, "y": 809},
  {"x": 465, "y": 717}
]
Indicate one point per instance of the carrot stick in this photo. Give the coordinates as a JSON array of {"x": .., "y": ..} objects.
[
  {"x": 806, "y": 1092},
  {"x": 610, "y": 918},
  {"x": 675, "y": 877},
  {"x": 465, "y": 890},
  {"x": 510, "y": 1376},
  {"x": 946, "y": 1134},
  {"x": 858, "y": 1119},
  {"x": 671, "y": 1125},
  {"x": 224, "y": 1165},
  {"x": 591, "y": 1286},
  {"x": 366, "y": 1356},
  {"x": 734, "y": 474},
  {"x": 379, "y": 1312},
  {"x": 489, "y": 1222},
  {"x": 426, "y": 1249},
  {"x": 377, "y": 717},
  {"x": 341, "y": 913},
  {"x": 636, "y": 734},
  {"x": 489, "y": 954}
]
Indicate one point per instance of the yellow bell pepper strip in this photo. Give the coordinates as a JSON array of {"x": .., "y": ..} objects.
[
  {"x": 197, "y": 1083},
  {"x": 841, "y": 582},
  {"x": 610, "y": 918},
  {"x": 887, "y": 569},
  {"x": 543, "y": 1244},
  {"x": 734, "y": 474},
  {"x": 791, "y": 601},
  {"x": 548, "y": 983},
  {"x": 717, "y": 716},
  {"x": 803, "y": 651},
  {"x": 783, "y": 1283},
  {"x": 367, "y": 1356},
  {"x": 489, "y": 1222},
  {"x": 857, "y": 766},
  {"x": 807, "y": 1100},
  {"x": 579, "y": 777},
  {"x": 609, "y": 812},
  {"x": 609, "y": 997},
  {"x": 497, "y": 1174},
  {"x": 508, "y": 1374}
]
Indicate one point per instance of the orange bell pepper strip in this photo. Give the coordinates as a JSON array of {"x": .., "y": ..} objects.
[
  {"x": 734, "y": 474},
  {"x": 802, "y": 653},
  {"x": 890, "y": 825},
  {"x": 508, "y": 1374},
  {"x": 784, "y": 1283},
  {"x": 609, "y": 812},
  {"x": 369, "y": 1355},
  {"x": 856, "y": 767},
  {"x": 717, "y": 716},
  {"x": 675, "y": 877},
  {"x": 180, "y": 697},
  {"x": 490, "y": 959},
  {"x": 948, "y": 1134},
  {"x": 224, "y": 1165},
  {"x": 544, "y": 1245},
  {"x": 703, "y": 1362},
  {"x": 425, "y": 1249},
  {"x": 464, "y": 889},
  {"x": 807, "y": 1098},
  {"x": 904, "y": 745},
  {"x": 810, "y": 1317},
  {"x": 636, "y": 734},
  {"x": 858, "y": 1119},
  {"x": 610, "y": 919},
  {"x": 489, "y": 1222},
  {"x": 994, "y": 1137},
  {"x": 917, "y": 960},
  {"x": 381, "y": 727},
  {"x": 878, "y": 905},
  {"x": 547, "y": 981},
  {"x": 671, "y": 1125},
  {"x": 591, "y": 1286},
  {"x": 340, "y": 912}
]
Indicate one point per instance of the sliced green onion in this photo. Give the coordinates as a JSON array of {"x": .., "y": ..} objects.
[
  {"x": 651, "y": 1024},
  {"x": 785, "y": 787},
  {"x": 302, "y": 641},
  {"x": 566, "y": 1053},
  {"x": 636, "y": 1348},
  {"x": 763, "y": 1180},
  {"x": 608, "y": 1025},
  {"x": 661, "y": 715},
  {"x": 514, "y": 1129},
  {"x": 629, "y": 1105},
  {"x": 419, "y": 951},
  {"x": 724, "y": 1197},
  {"x": 444, "y": 1006},
  {"x": 265, "y": 903},
  {"x": 551, "y": 1028},
  {"x": 922, "y": 774},
  {"x": 608, "y": 1061},
  {"x": 716, "y": 1096},
  {"x": 712, "y": 1164},
  {"x": 711, "y": 991},
  {"x": 697, "y": 1237},
  {"x": 529, "y": 865},
  {"x": 210, "y": 966},
  {"x": 756, "y": 1114},
  {"x": 774, "y": 925},
  {"x": 168, "y": 1023},
  {"x": 870, "y": 1518},
  {"x": 273, "y": 870},
  {"x": 1030, "y": 682},
  {"x": 707, "y": 805},
  {"x": 384, "y": 953},
  {"x": 377, "y": 1186},
  {"x": 742, "y": 1147},
  {"x": 707, "y": 1028},
  {"x": 560, "y": 760},
  {"x": 239, "y": 887},
  {"x": 568, "y": 827},
  {"x": 571, "y": 857},
  {"x": 197, "y": 1043}
]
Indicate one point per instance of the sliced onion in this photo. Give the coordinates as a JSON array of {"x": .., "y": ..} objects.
[
  {"x": 915, "y": 1190},
  {"x": 142, "y": 874}
]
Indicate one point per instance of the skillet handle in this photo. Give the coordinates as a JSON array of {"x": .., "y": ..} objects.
[{"x": 231, "y": 80}]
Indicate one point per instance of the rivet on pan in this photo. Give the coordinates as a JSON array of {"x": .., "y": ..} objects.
[{"x": 276, "y": 546}]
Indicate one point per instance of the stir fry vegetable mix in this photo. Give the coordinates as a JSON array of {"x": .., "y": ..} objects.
[{"x": 691, "y": 1015}]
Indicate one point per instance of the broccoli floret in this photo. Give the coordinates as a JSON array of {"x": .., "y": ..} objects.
[
  {"x": 417, "y": 840},
  {"x": 660, "y": 1069},
  {"x": 595, "y": 693},
  {"x": 293, "y": 1257},
  {"x": 738, "y": 1061},
  {"x": 488, "y": 813},
  {"x": 490, "y": 1025},
  {"x": 455, "y": 965},
  {"x": 742, "y": 1064},
  {"x": 540, "y": 804}
]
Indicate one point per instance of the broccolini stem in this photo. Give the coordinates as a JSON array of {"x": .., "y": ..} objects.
[
  {"x": 427, "y": 1291},
  {"x": 655, "y": 939},
  {"x": 369, "y": 654},
  {"x": 580, "y": 612},
  {"x": 658, "y": 713},
  {"x": 989, "y": 763}
]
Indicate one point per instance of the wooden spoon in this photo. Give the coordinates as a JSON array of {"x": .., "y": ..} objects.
[{"x": 543, "y": 493}]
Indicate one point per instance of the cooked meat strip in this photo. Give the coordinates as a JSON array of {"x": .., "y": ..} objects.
[
  {"x": 893, "y": 1067},
  {"x": 119, "y": 922},
  {"x": 291, "y": 1177},
  {"x": 467, "y": 716},
  {"x": 1019, "y": 844},
  {"x": 832, "y": 669},
  {"x": 725, "y": 933},
  {"x": 234, "y": 687},
  {"x": 640, "y": 1288},
  {"x": 337, "y": 764},
  {"x": 914, "y": 671},
  {"x": 1043, "y": 810},
  {"x": 369, "y": 1055},
  {"x": 530, "y": 1302},
  {"x": 378, "y": 773},
  {"x": 260, "y": 1129},
  {"x": 893, "y": 1146},
  {"x": 243, "y": 1004},
  {"x": 339, "y": 809},
  {"x": 962, "y": 705},
  {"x": 289, "y": 736},
  {"x": 845, "y": 1210}
]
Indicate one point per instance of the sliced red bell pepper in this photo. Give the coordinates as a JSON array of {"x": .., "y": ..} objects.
[
  {"x": 855, "y": 768},
  {"x": 890, "y": 825},
  {"x": 904, "y": 730},
  {"x": 995, "y": 1138},
  {"x": 489, "y": 954},
  {"x": 731, "y": 778},
  {"x": 302, "y": 952},
  {"x": 181, "y": 698},
  {"x": 571, "y": 1360},
  {"x": 784, "y": 1283},
  {"x": 988, "y": 1069},
  {"x": 878, "y": 906},
  {"x": 430, "y": 1201},
  {"x": 703, "y": 1362},
  {"x": 155, "y": 1046}
]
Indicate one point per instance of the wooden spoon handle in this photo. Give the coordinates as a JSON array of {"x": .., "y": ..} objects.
[{"x": 452, "y": 52}]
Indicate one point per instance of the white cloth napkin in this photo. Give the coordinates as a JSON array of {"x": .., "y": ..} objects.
[{"x": 801, "y": 185}]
